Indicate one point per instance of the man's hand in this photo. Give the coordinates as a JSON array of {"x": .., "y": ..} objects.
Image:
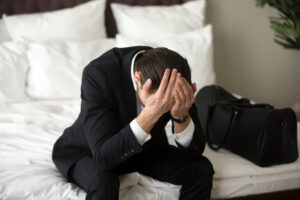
[
  {"x": 184, "y": 97},
  {"x": 158, "y": 103}
]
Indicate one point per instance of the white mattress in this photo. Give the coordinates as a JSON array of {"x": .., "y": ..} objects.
[{"x": 28, "y": 131}]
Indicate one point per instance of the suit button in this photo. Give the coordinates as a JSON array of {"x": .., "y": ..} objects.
[
  {"x": 132, "y": 150},
  {"x": 126, "y": 154}
]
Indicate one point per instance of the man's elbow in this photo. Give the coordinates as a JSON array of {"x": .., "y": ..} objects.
[{"x": 104, "y": 160}]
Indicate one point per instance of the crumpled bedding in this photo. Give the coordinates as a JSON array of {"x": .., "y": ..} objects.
[{"x": 29, "y": 129}]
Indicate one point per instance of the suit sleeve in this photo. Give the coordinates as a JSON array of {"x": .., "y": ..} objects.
[
  {"x": 197, "y": 144},
  {"x": 109, "y": 143}
]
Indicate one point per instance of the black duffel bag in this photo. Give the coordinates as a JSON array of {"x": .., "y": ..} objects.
[{"x": 257, "y": 132}]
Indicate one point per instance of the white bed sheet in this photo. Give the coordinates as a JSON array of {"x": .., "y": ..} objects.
[{"x": 29, "y": 129}]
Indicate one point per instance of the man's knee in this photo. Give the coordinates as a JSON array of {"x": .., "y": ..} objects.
[
  {"x": 209, "y": 167},
  {"x": 202, "y": 170},
  {"x": 105, "y": 185}
]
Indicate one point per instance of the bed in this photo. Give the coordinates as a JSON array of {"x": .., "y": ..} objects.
[{"x": 29, "y": 126}]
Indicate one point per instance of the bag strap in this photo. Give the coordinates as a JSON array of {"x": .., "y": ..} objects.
[
  {"x": 229, "y": 129},
  {"x": 244, "y": 102}
]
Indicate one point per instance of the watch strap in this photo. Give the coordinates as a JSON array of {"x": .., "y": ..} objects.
[{"x": 180, "y": 121}]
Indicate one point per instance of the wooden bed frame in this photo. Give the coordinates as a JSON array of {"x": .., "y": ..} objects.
[{"x": 11, "y": 7}]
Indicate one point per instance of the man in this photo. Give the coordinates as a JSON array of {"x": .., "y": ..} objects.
[{"x": 128, "y": 96}]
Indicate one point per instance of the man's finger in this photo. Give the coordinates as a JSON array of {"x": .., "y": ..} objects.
[
  {"x": 171, "y": 84},
  {"x": 190, "y": 89},
  {"x": 185, "y": 90},
  {"x": 180, "y": 92},
  {"x": 163, "y": 83},
  {"x": 177, "y": 98},
  {"x": 147, "y": 85}
]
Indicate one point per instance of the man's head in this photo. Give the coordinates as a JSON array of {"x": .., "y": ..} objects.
[{"x": 152, "y": 64}]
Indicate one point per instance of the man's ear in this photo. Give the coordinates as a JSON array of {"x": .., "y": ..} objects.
[
  {"x": 137, "y": 78},
  {"x": 194, "y": 87}
]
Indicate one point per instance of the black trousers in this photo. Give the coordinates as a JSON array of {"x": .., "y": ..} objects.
[{"x": 195, "y": 175}]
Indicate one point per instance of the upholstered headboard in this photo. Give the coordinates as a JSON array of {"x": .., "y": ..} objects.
[{"x": 11, "y": 7}]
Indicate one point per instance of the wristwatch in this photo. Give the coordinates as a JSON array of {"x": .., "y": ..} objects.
[{"x": 180, "y": 121}]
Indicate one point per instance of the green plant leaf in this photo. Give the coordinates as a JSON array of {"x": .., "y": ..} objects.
[
  {"x": 288, "y": 46},
  {"x": 284, "y": 29},
  {"x": 287, "y": 24}
]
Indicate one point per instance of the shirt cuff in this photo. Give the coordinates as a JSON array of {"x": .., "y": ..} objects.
[
  {"x": 185, "y": 137},
  {"x": 140, "y": 135}
]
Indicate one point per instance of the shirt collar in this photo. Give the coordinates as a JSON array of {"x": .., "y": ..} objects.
[{"x": 132, "y": 69}]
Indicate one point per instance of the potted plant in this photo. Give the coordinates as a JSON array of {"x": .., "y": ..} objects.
[
  {"x": 286, "y": 27},
  {"x": 287, "y": 24}
]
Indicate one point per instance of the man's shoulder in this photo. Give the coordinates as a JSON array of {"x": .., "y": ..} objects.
[{"x": 112, "y": 59}]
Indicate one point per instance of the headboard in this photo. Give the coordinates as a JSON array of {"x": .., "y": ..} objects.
[{"x": 11, "y": 7}]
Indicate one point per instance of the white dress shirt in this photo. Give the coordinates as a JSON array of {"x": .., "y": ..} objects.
[{"x": 184, "y": 138}]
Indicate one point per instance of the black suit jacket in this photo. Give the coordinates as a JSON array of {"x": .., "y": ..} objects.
[{"x": 108, "y": 105}]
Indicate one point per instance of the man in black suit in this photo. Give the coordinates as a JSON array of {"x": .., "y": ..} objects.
[{"x": 128, "y": 96}]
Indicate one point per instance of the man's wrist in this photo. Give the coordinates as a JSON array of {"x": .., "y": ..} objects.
[
  {"x": 146, "y": 120},
  {"x": 179, "y": 127},
  {"x": 180, "y": 119}
]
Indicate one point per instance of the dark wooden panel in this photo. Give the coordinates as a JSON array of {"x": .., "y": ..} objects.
[{"x": 12, "y": 7}]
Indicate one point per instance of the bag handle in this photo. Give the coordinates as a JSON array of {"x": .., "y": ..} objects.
[
  {"x": 244, "y": 102},
  {"x": 229, "y": 129}
]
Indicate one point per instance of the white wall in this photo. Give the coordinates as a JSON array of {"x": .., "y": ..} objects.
[
  {"x": 298, "y": 77},
  {"x": 247, "y": 60}
]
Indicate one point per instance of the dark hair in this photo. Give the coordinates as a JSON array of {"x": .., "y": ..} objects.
[{"x": 153, "y": 62}]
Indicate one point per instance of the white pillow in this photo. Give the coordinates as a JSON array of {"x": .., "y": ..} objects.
[
  {"x": 56, "y": 67},
  {"x": 195, "y": 46},
  {"x": 83, "y": 22},
  {"x": 13, "y": 69},
  {"x": 147, "y": 21},
  {"x": 4, "y": 36}
]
